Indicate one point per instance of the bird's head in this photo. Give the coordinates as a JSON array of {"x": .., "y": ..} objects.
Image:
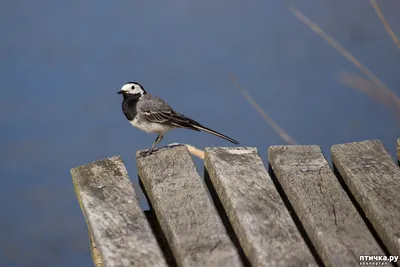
[{"x": 132, "y": 89}]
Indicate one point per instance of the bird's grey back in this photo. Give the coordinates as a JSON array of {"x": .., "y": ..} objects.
[{"x": 153, "y": 103}]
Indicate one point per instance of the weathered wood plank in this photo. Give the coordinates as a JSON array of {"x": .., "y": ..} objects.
[
  {"x": 330, "y": 219},
  {"x": 258, "y": 215},
  {"x": 119, "y": 227},
  {"x": 96, "y": 256},
  {"x": 374, "y": 180},
  {"x": 398, "y": 149},
  {"x": 159, "y": 234},
  {"x": 185, "y": 209}
]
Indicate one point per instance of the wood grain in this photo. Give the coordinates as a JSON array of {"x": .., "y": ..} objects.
[
  {"x": 119, "y": 227},
  {"x": 258, "y": 215},
  {"x": 332, "y": 222},
  {"x": 185, "y": 210},
  {"x": 374, "y": 180}
]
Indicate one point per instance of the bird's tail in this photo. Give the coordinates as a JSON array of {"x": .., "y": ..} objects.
[
  {"x": 180, "y": 120},
  {"x": 208, "y": 130}
]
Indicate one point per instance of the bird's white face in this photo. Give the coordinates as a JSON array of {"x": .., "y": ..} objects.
[{"x": 132, "y": 89}]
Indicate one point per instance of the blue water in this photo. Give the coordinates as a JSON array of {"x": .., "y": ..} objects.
[{"x": 62, "y": 63}]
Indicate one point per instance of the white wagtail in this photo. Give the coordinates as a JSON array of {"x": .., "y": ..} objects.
[{"x": 153, "y": 115}]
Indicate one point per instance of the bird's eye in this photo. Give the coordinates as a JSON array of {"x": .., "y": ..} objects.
[{"x": 133, "y": 87}]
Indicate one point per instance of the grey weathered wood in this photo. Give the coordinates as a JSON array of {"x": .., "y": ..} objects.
[
  {"x": 185, "y": 209},
  {"x": 258, "y": 215},
  {"x": 162, "y": 241},
  {"x": 96, "y": 256},
  {"x": 330, "y": 219},
  {"x": 374, "y": 179},
  {"x": 398, "y": 149},
  {"x": 119, "y": 227}
]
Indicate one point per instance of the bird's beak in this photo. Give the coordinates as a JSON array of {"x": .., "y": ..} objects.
[{"x": 120, "y": 92}]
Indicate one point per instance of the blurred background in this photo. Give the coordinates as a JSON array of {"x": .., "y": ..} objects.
[{"x": 62, "y": 63}]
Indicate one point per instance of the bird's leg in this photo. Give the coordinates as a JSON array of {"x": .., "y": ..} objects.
[{"x": 158, "y": 140}]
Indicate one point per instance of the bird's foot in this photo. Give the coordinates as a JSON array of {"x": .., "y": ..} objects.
[{"x": 146, "y": 153}]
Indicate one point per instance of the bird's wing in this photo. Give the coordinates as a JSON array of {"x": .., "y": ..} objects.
[
  {"x": 156, "y": 110},
  {"x": 162, "y": 117}
]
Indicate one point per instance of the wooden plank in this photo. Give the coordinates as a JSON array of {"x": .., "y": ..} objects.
[
  {"x": 398, "y": 150},
  {"x": 330, "y": 219},
  {"x": 119, "y": 227},
  {"x": 96, "y": 256},
  {"x": 185, "y": 209},
  {"x": 374, "y": 180},
  {"x": 258, "y": 215},
  {"x": 161, "y": 239}
]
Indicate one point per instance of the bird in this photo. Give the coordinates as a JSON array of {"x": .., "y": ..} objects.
[{"x": 151, "y": 114}]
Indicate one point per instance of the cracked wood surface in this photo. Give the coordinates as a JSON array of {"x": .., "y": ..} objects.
[
  {"x": 119, "y": 228},
  {"x": 374, "y": 180},
  {"x": 330, "y": 219},
  {"x": 258, "y": 215},
  {"x": 185, "y": 210}
]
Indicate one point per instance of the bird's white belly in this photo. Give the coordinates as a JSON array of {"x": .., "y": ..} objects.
[{"x": 150, "y": 127}]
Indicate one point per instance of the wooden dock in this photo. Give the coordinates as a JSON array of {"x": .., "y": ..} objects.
[{"x": 296, "y": 211}]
